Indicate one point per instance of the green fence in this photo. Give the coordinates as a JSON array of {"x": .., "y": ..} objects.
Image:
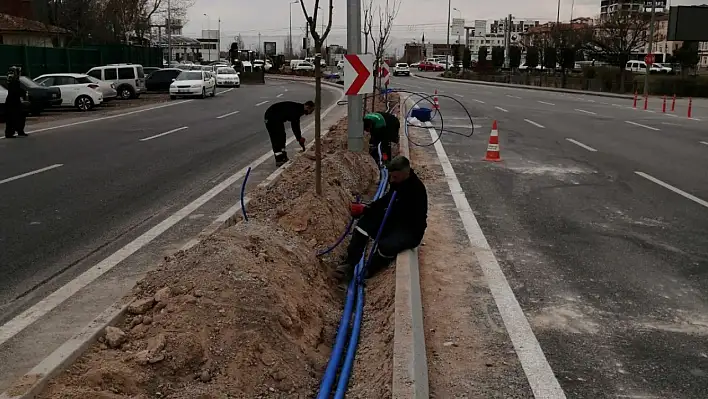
[{"x": 36, "y": 61}]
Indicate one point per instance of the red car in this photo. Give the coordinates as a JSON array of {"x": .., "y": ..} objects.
[{"x": 430, "y": 66}]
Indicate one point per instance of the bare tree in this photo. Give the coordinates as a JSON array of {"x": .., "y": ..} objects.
[
  {"x": 381, "y": 40},
  {"x": 618, "y": 36},
  {"x": 368, "y": 24},
  {"x": 319, "y": 40}
]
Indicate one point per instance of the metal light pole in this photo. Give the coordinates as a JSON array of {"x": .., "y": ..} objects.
[
  {"x": 291, "y": 27},
  {"x": 218, "y": 43},
  {"x": 355, "y": 108},
  {"x": 449, "y": 49},
  {"x": 169, "y": 33},
  {"x": 208, "y": 34},
  {"x": 650, "y": 44}
]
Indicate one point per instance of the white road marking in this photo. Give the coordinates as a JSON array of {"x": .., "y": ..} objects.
[
  {"x": 618, "y": 105},
  {"x": 674, "y": 189},
  {"x": 670, "y": 124},
  {"x": 650, "y": 111},
  {"x": 547, "y": 103},
  {"x": 459, "y": 95},
  {"x": 56, "y": 298},
  {"x": 286, "y": 90},
  {"x": 501, "y": 109},
  {"x": 109, "y": 117},
  {"x": 165, "y": 134},
  {"x": 510, "y": 96},
  {"x": 225, "y": 91},
  {"x": 540, "y": 376},
  {"x": 479, "y": 101},
  {"x": 640, "y": 125},
  {"x": 673, "y": 115},
  {"x": 535, "y": 124},
  {"x": 587, "y": 147},
  {"x": 34, "y": 172},
  {"x": 704, "y": 142},
  {"x": 279, "y": 95},
  {"x": 695, "y": 119},
  {"x": 261, "y": 103},
  {"x": 587, "y": 112},
  {"x": 591, "y": 101},
  {"x": 227, "y": 115}
]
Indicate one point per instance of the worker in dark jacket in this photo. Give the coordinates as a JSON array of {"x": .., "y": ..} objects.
[
  {"x": 15, "y": 117},
  {"x": 383, "y": 128},
  {"x": 275, "y": 117},
  {"x": 404, "y": 228}
]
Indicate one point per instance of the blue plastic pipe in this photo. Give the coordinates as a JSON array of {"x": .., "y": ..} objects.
[
  {"x": 330, "y": 374},
  {"x": 243, "y": 193},
  {"x": 345, "y": 374}
]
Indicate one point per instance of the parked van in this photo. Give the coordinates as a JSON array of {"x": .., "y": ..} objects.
[
  {"x": 641, "y": 67},
  {"x": 129, "y": 79}
]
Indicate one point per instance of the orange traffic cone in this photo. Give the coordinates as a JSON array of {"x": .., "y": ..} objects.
[
  {"x": 493, "y": 146},
  {"x": 436, "y": 105}
]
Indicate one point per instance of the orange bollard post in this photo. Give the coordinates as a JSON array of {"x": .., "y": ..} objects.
[
  {"x": 635, "y": 99},
  {"x": 690, "y": 105},
  {"x": 673, "y": 103},
  {"x": 646, "y": 102},
  {"x": 663, "y": 107}
]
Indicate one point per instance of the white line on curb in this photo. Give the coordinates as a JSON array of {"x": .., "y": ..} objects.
[
  {"x": 165, "y": 134},
  {"x": 501, "y": 109},
  {"x": 587, "y": 112},
  {"x": 538, "y": 372},
  {"x": 535, "y": 124},
  {"x": 547, "y": 103},
  {"x": 587, "y": 147},
  {"x": 34, "y": 172},
  {"x": 261, "y": 103},
  {"x": 56, "y": 298},
  {"x": 674, "y": 189},
  {"x": 227, "y": 115},
  {"x": 640, "y": 125}
]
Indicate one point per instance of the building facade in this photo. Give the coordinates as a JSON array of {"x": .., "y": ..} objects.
[{"x": 611, "y": 7}]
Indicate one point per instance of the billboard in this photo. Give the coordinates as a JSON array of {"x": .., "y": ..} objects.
[
  {"x": 211, "y": 34},
  {"x": 687, "y": 23},
  {"x": 458, "y": 27},
  {"x": 270, "y": 48}
]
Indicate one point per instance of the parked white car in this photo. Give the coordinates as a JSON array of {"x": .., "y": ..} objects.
[
  {"x": 193, "y": 83},
  {"x": 262, "y": 64},
  {"x": 664, "y": 68},
  {"x": 340, "y": 64},
  {"x": 641, "y": 67},
  {"x": 304, "y": 66},
  {"x": 77, "y": 90},
  {"x": 401, "y": 68},
  {"x": 227, "y": 76}
]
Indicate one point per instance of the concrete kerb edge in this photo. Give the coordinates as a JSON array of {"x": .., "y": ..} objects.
[
  {"x": 410, "y": 364},
  {"x": 32, "y": 383},
  {"x": 525, "y": 87}
]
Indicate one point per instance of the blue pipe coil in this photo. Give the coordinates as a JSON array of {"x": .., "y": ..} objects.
[{"x": 243, "y": 193}]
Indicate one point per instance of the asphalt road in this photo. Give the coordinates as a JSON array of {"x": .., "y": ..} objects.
[
  {"x": 107, "y": 184},
  {"x": 598, "y": 217}
]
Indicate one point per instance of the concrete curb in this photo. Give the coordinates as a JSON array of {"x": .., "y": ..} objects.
[
  {"x": 525, "y": 87},
  {"x": 34, "y": 381},
  {"x": 410, "y": 363}
]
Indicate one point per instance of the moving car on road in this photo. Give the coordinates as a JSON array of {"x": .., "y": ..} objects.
[
  {"x": 160, "y": 81},
  {"x": 401, "y": 69},
  {"x": 193, "y": 83},
  {"x": 77, "y": 90},
  {"x": 304, "y": 66},
  {"x": 40, "y": 98},
  {"x": 430, "y": 66},
  {"x": 227, "y": 76}
]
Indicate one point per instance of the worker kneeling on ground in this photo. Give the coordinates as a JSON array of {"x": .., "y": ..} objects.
[
  {"x": 383, "y": 128},
  {"x": 275, "y": 117},
  {"x": 404, "y": 227}
]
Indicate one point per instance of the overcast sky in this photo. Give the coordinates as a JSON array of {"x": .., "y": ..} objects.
[{"x": 271, "y": 17}]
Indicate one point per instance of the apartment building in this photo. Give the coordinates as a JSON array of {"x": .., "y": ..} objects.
[{"x": 611, "y": 7}]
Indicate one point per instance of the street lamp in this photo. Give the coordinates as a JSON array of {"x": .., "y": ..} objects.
[
  {"x": 208, "y": 27},
  {"x": 449, "y": 49},
  {"x": 291, "y": 27}
]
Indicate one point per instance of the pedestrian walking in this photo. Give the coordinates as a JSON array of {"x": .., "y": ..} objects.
[
  {"x": 275, "y": 117},
  {"x": 15, "y": 117}
]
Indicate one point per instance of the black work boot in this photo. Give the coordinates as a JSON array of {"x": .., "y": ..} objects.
[{"x": 281, "y": 159}]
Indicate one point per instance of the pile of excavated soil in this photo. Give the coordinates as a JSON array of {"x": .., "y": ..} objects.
[{"x": 249, "y": 312}]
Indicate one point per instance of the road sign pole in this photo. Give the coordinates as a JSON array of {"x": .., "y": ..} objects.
[
  {"x": 355, "y": 130},
  {"x": 650, "y": 44}
]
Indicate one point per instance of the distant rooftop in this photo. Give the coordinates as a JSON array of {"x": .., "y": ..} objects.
[{"x": 11, "y": 23}]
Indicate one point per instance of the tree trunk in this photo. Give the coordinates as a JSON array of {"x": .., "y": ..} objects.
[{"x": 318, "y": 123}]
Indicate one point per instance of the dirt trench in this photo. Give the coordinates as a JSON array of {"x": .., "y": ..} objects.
[{"x": 249, "y": 312}]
